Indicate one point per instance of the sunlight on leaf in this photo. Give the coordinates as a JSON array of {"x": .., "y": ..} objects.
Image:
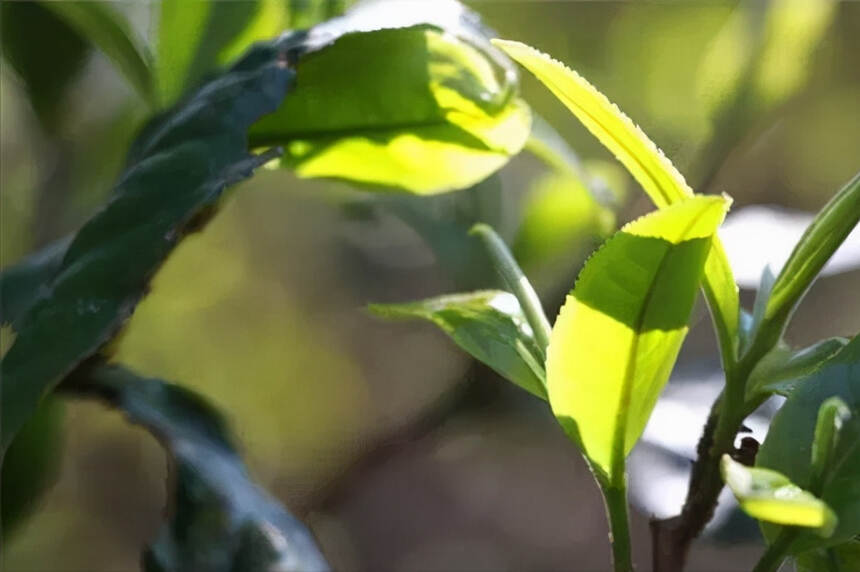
[
  {"x": 618, "y": 335},
  {"x": 426, "y": 112},
  {"x": 646, "y": 163},
  {"x": 772, "y": 497}
]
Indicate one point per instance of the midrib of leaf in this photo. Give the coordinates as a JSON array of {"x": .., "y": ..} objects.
[{"x": 616, "y": 476}]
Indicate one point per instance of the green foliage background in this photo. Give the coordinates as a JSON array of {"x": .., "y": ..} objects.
[{"x": 260, "y": 311}]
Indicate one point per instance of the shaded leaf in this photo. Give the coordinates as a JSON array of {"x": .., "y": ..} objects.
[
  {"x": 31, "y": 465},
  {"x": 109, "y": 31},
  {"x": 645, "y": 162},
  {"x": 789, "y": 443},
  {"x": 618, "y": 334},
  {"x": 781, "y": 370},
  {"x": 489, "y": 325},
  {"x": 772, "y": 497},
  {"x": 412, "y": 100},
  {"x": 826, "y": 233},
  {"x": 22, "y": 283},
  {"x": 177, "y": 169},
  {"x": 841, "y": 558},
  {"x": 219, "y": 519}
]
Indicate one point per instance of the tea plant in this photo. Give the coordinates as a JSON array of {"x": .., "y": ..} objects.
[{"x": 421, "y": 101}]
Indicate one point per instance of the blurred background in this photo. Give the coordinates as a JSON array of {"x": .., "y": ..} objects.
[{"x": 399, "y": 451}]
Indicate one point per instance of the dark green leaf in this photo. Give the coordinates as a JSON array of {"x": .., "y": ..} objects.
[
  {"x": 489, "y": 325},
  {"x": 219, "y": 519},
  {"x": 45, "y": 53},
  {"x": 842, "y": 558},
  {"x": 176, "y": 172},
  {"x": 412, "y": 100},
  {"x": 781, "y": 370},
  {"x": 109, "y": 31},
  {"x": 22, "y": 283},
  {"x": 789, "y": 443},
  {"x": 31, "y": 465}
]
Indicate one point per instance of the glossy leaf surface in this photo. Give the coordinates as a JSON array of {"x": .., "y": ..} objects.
[
  {"x": 176, "y": 170},
  {"x": 772, "y": 497},
  {"x": 618, "y": 335},
  {"x": 788, "y": 447},
  {"x": 219, "y": 519},
  {"x": 489, "y": 325},
  {"x": 646, "y": 163},
  {"x": 418, "y": 102}
]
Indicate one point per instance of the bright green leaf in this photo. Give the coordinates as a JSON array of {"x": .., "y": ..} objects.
[
  {"x": 221, "y": 519},
  {"x": 177, "y": 170},
  {"x": 789, "y": 443},
  {"x": 618, "y": 335},
  {"x": 826, "y": 232},
  {"x": 772, "y": 497},
  {"x": 646, "y": 163},
  {"x": 489, "y": 325},
  {"x": 102, "y": 25},
  {"x": 423, "y": 108}
]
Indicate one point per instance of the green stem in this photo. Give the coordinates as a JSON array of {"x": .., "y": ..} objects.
[
  {"x": 516, "y": 281},
  {"x": 772, "y": 558},
  {"x": 615, "y": 497}
]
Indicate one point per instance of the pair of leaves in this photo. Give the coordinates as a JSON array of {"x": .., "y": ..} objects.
[
  {"x": 220, "y": 520},
  {"x": 178, "y": 168},
  {"x": 616, "y": 339},
  {"x": 645, "y": 162}
]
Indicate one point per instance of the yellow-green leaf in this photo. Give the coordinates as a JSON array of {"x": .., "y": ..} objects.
[
  {"x": 646, "y": 163},
  {"x": 418, "y": 109},
  {"x": 770, "y": 496},
  {"x": 618, "y": 335}
]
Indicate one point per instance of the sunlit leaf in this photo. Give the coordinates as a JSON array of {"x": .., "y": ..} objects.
[
  {"x": 826, "y": 233},
  {"x": 177, "y": 170},
  {"x": 489, "y": 325},
  {"x": 646, "y": 163},
  {"x": 788, "y": 447},
  {"x": 426, "y": 108},
  {"x": 772, "y": 497},
  {"x": 102, "y": 25},
  {"x": 219, "y": 519},
  {"x": 618, "y": 335}
]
